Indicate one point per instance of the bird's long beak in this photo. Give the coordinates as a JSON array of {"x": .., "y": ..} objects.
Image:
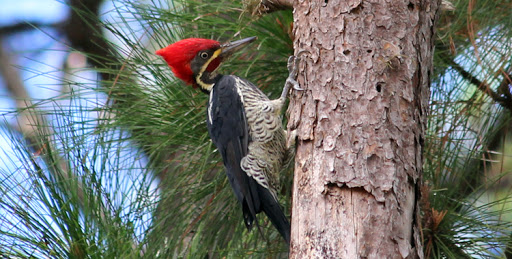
[{"x": 231, "y": 47}]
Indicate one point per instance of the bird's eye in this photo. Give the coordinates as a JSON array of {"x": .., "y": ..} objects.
[{"x": 204, "y": 55}]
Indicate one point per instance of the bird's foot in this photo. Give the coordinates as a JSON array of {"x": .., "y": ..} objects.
[{"x": 293, "y": 69}]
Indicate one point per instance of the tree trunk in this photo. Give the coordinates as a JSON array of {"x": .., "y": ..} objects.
[{"x": 360, "y": 124}]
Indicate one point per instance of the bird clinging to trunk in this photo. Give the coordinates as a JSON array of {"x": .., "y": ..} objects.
[{"x": 244, "y": 124}]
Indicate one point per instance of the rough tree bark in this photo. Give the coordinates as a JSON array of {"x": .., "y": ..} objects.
[{"x": 360, "y": 125}]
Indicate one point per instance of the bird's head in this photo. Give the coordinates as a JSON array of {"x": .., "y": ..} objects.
[{"x": 195, "y": 60}]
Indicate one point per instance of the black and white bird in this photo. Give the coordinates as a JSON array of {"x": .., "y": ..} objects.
[{"x": 244, "y": 124}]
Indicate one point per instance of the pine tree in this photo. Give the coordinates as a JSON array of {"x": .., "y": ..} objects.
[{"x": 80, "y": 182}]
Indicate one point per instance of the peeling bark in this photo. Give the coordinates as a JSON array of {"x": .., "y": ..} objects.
[{"x": 360, "y": 124}]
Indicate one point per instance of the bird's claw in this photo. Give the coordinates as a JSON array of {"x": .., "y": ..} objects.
[
  {"x": 293, "y": 69},
  {"x": 292, "y": 66},
  {"x": 294, "y": 84}
]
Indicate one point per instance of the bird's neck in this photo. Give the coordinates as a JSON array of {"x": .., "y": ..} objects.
[{"x": 207, "y": 80}]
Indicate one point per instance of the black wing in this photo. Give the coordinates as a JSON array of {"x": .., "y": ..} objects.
[{"x": 228, "y": 130}]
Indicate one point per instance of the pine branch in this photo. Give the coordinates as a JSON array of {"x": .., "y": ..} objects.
[
  {"x": 25, "y": 26},
  {"x": 504, "y": 87},
  {"x": 83, "y": 30},
  {"x": 483, "y": 86}
]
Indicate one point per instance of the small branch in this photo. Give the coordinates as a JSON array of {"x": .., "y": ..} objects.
[
  {"x": 482, "y": 86},
  {"x": 27, "y": 116},
  {"x": 260, "y": 7},
  {"x": 504, "y": 87},
  {"x": 25, "y": 26},
  {"x": 84, "y": 32},
  {"x": 502, "y": 96}
]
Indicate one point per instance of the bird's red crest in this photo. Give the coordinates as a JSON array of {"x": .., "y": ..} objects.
[{"x": 179, "y": 55}]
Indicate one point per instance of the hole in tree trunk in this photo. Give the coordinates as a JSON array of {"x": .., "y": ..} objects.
[
  {"x": 410, "y": 6},
  {"x": 378, "y": 87}
]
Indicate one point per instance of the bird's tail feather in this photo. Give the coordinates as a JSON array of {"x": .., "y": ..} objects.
[{"x": 275, "y": 213}]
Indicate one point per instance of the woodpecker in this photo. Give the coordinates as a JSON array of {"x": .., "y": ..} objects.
[{"x": 243, "y": 123}]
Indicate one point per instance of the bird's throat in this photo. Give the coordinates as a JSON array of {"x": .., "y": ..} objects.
[{"x": 206, "y": 80}]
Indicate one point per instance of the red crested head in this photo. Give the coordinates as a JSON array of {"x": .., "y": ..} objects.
[
  {"x": 179, "y": 56},
  {"x": 195, "y": 60}
]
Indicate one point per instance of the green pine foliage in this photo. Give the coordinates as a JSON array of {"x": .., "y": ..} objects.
[{"x": 126, "y": 169}]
